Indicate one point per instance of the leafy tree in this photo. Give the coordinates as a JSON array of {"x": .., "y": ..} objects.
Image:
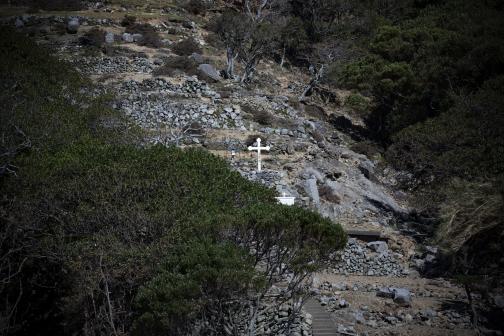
[{"x": 233, "y": 29}]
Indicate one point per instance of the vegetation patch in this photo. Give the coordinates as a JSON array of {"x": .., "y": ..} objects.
[
  {"x": 139, "y": 239},
  {"x": 93, "y": 38},
  {"x": 177, "y": 64},
  {"x": 150, "y": 37},
  {"x": 186, "y": 47}
]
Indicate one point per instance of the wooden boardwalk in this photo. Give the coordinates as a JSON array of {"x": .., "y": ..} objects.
[{"x": 322, "y": 325}]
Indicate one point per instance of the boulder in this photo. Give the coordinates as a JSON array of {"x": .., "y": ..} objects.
[
  {"x": 19, "y": 23},
  {"x": 377, "y": 246},
  {"x": 137, "y": 37},
  {"x": 73, "y": 26},
  {"x": 127, "y": 37},
  {"x": 109, "y": 37},
  {"x": 402, "y": 296},
  {"x": 198, "y": 58},
  {"x": 385, "y": 292},
  {"x": 499, "y": 301},
  {"x": 208, "y": 72}
]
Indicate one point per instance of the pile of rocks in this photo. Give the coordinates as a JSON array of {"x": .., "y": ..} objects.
[
  {"x": 113, "y": 65},
  {"x": 358, "y": 258},
  {"x": 31, "y": 20},
  {"x": 189, "y": 88},
  {"x": 448, "y": 319},
  {"x": 299, "y": 132},
  {"x": 153, "y": 109},
  {"x": 270, "y": 178},
  {"x": 275, "y": 321}
]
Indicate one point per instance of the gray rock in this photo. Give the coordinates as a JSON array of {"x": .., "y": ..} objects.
[
  {"x": 385, "y": 292},
  {"x": 429, "y": 258},
  {"x": 109, "y": 38},
  {"x": 290, "y": 148},
  {"x": 402, "y": 296},
  {"x": 378, "y": 246},
  {"x": 19, "y": 23},
  {"x": 209, "y": 72},
  {"x": 312, "y": 190},
  {"x": 137, "y": 37},
  {"x": 499, "y": 300},
  {"x": 127, "y": 37},
  {"x": 198, "y": 58},
  {"x": 73, "y": 26}
]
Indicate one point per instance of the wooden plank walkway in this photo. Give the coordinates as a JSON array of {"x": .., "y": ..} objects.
[{"x": 322, "y": 325}]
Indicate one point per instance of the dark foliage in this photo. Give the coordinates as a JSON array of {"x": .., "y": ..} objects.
[
  {"x": 196, "y": 7},
  {"x": 128, "y": 21},
  {"x": 177, "y": 64},
  {"x": 186, "y": 47},
  {"x": 150, "y": 37},
  {"x": 94, "y": 38},
  {"x": 102, "y": 236},
  {"x": 56, "y": 5}
]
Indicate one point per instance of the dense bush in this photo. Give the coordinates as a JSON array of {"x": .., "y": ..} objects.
[
  {"x": 186, "y": 47},
  {"x": 150, "y": 37},
  {"x": 103, "y": 236},
  {"x": 436, "y": 79},
  {"x": 128, "y": 21},
  {"x": 57, "y": 5},
  {"x": 196, "y": 7},
  {"x": 177, "y": 64},
  {"x": 94, "y": 37}
]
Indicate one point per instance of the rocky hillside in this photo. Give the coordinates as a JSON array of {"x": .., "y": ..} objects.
[{"x": 162, "y": 71}]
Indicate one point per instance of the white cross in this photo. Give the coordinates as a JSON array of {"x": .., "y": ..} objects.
[{"x": 258, "y": 149}]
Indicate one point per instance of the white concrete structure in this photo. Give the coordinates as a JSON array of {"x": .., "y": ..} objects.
[
  {"x": 258, "y": 149},
  {"x": 286, "y": 200}
]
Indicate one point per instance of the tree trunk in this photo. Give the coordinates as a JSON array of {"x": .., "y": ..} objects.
[
  {"x": 313, "y": 82},
  {"x": 283, "y": 58},
  {"x": 230, "y": 63},
  {"x": 248, "y": 74}
]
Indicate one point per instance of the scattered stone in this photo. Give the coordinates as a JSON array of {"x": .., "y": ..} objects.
[
  {"x": 378, "y": 246},
  {"x": 385, "y": 292},
  {"x": 127, "y": 37},
  {"x": 198, "y": 58},
  {"x": 137, "y": 37},
  {"x": 402, "y": 296},
  {"x": 73, "y": 26},
  {"x": 19, "y": 23},
  {"x": 109, "y": 38}
]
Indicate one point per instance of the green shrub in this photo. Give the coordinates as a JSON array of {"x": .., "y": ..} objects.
[
  {"x": 368, "y": 148},
  {"x": 150, "y": 37},
  {"x": 186, "y": 47},
  {"x": 57, "y": 5},
  {"x": 175, "y": 64},
  {"x": 112, "y": 221},
  {"x": 128, "y": 21},
  {"x": 358, "y": 103},
  {"x": 259, "y": 115},
  {"x": 94, "y": 38},
  {"x": 196, "y": 7}
]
